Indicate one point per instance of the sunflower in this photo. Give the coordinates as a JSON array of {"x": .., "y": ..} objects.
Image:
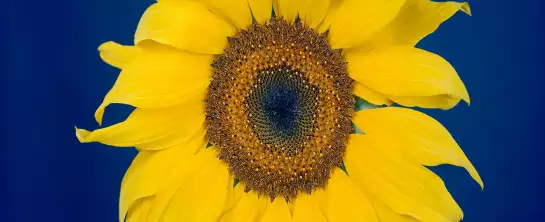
[{"x": 283, "y": 110}]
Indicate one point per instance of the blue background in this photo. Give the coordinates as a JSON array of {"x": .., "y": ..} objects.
[{"x": 51, "y": 79}]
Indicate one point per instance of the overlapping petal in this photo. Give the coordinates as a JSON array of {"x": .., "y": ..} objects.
[
  {"x": 329, "y": 16},
  {"x": 287, "y": 9},
  {"x": 152, "y": 129},
  {"x": 261, "y": 10},
  {"x": 277, "y": 211},
  {"x": 161, "y": 76},
  {"x": 386, "y": 214},
  {"x": 192, "y": 171},
  {"x": 201, "y": 197},
  {"x": 306, "y": 208},
  {"x": 405, "y": 187},
  {"x": 344, "y": 201},
  {"x": 233, "y": 197},
  {"x": 117, "y": 55},
  {"x": 355, "y": 20},
  {"x": 438, "y": 101},
  {"x": 235, "y": 11},
  {"x": 409, "y": 76},
  {"x": 370, "y": 96},
  {"x": 416, "y": 20},
  {"x": 415, "y": 135},
  {"x": 150, "y": 171},
  {"x": 187, "y": 25},
  {"x": 139, "y": 212},
  {"x": 250, "y": 207},
  {"x": 311, "y": 12}
]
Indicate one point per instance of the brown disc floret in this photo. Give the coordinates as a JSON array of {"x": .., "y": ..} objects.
[{"x": 279, "y": 108}]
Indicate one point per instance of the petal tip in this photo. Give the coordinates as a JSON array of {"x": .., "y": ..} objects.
[
  {"x": 465, "y": 8},
  {"x": 466, "y": 98},
  {"x": 475, "y": 175},
  {"x": 480, "y": 182},
  {"x": 81, "y": 134},
  {"x": 107, "y": 45},
  {"x": 463, "y": 94}
]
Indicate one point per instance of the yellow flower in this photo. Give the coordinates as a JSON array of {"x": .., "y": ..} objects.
[{"x": 244, "y": 112}]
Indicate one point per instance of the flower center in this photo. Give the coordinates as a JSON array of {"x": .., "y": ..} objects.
[
  {"x": 279, "y": 108},
  {"x": 282, "y": 109}
]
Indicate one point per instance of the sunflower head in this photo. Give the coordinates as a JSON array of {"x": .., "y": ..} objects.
[
  {"x": 279, "y": 107},
  {"x": 261, "y": 94}
]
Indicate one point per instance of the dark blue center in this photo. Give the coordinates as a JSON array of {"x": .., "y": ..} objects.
[{"x": 280, "y": 106}]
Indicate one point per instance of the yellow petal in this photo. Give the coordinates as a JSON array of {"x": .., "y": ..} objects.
[
  {"x": 310, "y": 12},
  {"x": 306, "y": 208},
  {"x": 161, "y": 77},
  {"x": 344, "y": 201},
  {"x": 386, "y": 214},
  {"x": 427, "y": 141},
  {"x": 313, "y": 12},
  {"x": 404, "y": 71},
  {"x": 149, "y": 172},
  {"x": 370, "y": 95},
  {"x": 201, "y": 197},
  {"x": 118, "y": 55},
  {"x": 355, "y": 20},
  {"x": 261, "y": 10},
  {"x": 329, "y": 16},
  {"x": 405, "y": 187},
  {"x": 184, "y": 172},
  {"x": 277, "y": 211},
  {"x": 187, "y": 25},
  {"x": 286, "y": 8},
  {"x": 235, "y": 11},
  {"x": 439, "y": 101},
  {"x": 152, "y": 129},
  {"x": 250, "y": 208},
  {"x": 233, "y": 196},
  {"x": 139, "y": 212},
  {"x": 416, "y": 20}
]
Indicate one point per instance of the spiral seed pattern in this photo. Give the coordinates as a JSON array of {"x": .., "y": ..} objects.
[{"x": 279, "y": 108}]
